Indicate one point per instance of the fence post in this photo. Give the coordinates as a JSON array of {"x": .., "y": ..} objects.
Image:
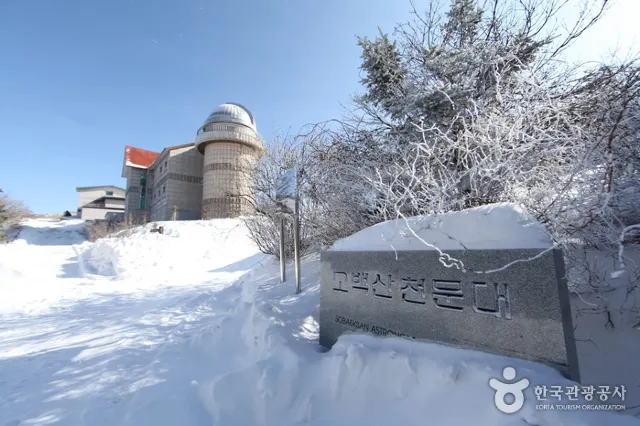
[
  {"x": 296, "y": 244},
  {"x": 283, "y": 271}
]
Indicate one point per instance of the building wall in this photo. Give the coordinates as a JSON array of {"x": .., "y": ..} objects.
[
  {"x": 156, "y": 196},
  {"x": 150, "y": 184},
  {"x": 184, "y": 183},
  {"x": 117, "y": 204},
  {"x": 132, "y": 197},
  {"x": 159, "y": 211},
  {"x": 92, "y": 213},
  {"x": 226, "y": 179},
  {"x": 158, "y": 200},
  {"x": 87, "y": 196},
  {"x": 176, "y": 180}
]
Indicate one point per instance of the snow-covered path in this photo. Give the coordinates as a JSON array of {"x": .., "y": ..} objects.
[{"x": 80, "y": 348}]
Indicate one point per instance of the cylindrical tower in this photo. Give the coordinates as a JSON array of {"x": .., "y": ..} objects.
[{"x": 231, "y": 146}]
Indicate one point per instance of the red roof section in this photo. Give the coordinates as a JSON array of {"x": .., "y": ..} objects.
[{"x": 137, "y": 157}]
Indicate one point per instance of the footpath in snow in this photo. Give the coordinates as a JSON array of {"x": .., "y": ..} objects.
[{"x": 193, "y": 327}]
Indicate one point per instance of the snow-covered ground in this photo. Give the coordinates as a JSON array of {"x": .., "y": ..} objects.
[{"x": 193, "y": 327}]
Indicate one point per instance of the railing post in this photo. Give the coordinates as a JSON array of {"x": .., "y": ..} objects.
[
  {"x": 296, "y": 245},
  {"x": 283, "y": 269}
]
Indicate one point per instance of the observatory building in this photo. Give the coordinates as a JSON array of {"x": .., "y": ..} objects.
[
  {"x": 209, "y": 178},
  {"x": 229, "y": 141}
]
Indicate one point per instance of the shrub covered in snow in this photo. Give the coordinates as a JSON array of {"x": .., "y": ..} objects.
[
  {"x": 329, "y": 209},
  {"x": 11, "y": 213}
]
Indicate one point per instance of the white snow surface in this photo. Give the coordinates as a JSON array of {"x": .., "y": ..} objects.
[
  {"x": 193, "y": 327},
  {"x": 496, "y": 226}
]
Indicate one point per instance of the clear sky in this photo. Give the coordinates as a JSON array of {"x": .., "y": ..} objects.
[{"x": 81, "y": 79}]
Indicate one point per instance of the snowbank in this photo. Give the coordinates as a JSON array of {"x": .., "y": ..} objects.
[
  {"x": 497, "y": 226},
  {"x": 270, "y": 370},
  {"x": 216, "y": 338},
  {"x": 185, "y": 249}
]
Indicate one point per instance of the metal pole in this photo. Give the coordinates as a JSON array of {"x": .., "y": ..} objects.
[
  {"x": 296, "y": 245},
  {"x": 283, "y": 273}
]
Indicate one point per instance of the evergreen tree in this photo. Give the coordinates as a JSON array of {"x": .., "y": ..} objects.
[
  {"x": 461, "y": 27},
  {"x": 385, "y": 73},
  {"x": 435, "y": 73}
]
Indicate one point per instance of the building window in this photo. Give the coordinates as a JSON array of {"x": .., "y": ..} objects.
[
  {"x": 165, "y": 164},
  {"x": 143, "y": 190},
  {"x": 164, "y": 188},
  {"x": 109, "y": 192}
]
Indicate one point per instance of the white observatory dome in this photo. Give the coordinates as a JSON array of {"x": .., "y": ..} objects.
[{"x": 232, "y": 113}]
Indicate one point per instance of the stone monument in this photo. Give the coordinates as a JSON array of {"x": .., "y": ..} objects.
[{"x": 521, "y": 310}]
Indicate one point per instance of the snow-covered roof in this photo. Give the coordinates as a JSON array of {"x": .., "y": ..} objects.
[{"x": 496, "y": 226}]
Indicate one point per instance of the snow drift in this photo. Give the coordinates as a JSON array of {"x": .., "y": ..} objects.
[
  {"x": 272, "y": 371},
  {"x": 184, "y": 249},
  {"x": 496, "y": 226}
]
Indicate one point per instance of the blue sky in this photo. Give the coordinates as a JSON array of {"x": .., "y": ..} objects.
[{"x": 81, "y": 79}]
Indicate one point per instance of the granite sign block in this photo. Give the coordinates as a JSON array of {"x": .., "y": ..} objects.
[{"x": 521, "y": 311}]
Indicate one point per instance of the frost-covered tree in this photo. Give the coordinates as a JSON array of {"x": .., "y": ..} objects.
[
  {"x": 3, "y": 215},
  {"x": 461, "y": 27},
  {"x": 386, "y": 74},
  {"x": 330, "y": 198},
  {"x": 428, "y": 91},
  {"x": 264, "y": 225},
  {"x": 441, "y": 69},
  {"x": 11, "y": 213},
  {"x": 442, "y": 62},
  {"x": 478, "y": 105}
]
